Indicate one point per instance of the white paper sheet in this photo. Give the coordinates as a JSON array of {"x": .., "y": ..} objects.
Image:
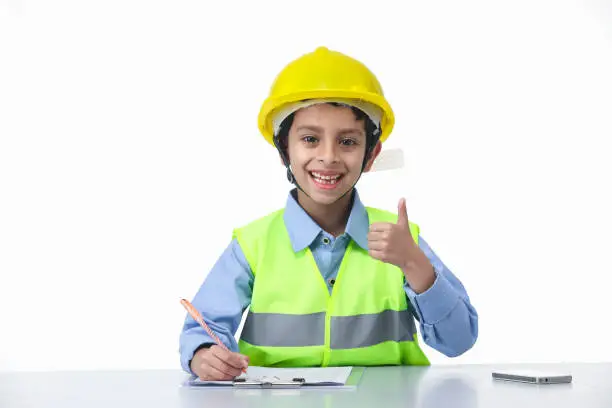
[{"x": 311, "y": 375}]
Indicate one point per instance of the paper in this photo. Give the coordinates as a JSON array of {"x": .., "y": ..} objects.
[
  {"x": 315, "y": 375},
  {"x": 390, "y": 159},
  {"x": 312, "y": 376}
]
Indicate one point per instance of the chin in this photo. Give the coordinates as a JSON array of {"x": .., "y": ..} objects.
[
  {"x": 324, "y": 198},
  {"x": 325, "y": 193}
]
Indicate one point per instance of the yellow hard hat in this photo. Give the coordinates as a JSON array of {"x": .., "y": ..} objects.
[{"x": 325, "y": 75}]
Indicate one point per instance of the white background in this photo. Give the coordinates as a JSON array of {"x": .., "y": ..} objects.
[{"x": 129, "y": 150}]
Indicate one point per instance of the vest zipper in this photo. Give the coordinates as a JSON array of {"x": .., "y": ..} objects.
[
  {"x": 329, "y": 312},
  {"x": 330, "y": 304}
]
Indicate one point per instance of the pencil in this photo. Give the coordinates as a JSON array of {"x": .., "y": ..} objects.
[{"x": 198, "y": 318}]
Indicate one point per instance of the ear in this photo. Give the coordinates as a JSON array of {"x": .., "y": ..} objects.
[{"x": 373, "y": 156}]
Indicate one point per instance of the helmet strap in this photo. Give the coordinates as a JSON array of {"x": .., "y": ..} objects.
[{"x": 285, "y": 157}]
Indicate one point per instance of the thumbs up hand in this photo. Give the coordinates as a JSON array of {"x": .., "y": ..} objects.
[{"x": 393, "y": 243}]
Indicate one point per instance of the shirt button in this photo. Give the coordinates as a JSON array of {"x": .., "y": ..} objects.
[
  {"x": 332, "y": 281},
  {"x": 326, "y": 241}
]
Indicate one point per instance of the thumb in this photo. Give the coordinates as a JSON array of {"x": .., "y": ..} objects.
[{"x": 402, "y": 213}]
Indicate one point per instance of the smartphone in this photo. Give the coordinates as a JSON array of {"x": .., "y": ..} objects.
[{"x": 532, "y": 376}]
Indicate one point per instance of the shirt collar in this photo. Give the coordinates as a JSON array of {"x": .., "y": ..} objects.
[{"x": 303, "y": 230}]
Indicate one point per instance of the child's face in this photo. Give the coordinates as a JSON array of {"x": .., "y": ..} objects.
[{"x": 326, "y": 146}]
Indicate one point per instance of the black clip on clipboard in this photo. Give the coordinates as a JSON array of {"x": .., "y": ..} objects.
[{"x": 274, "y": 383}]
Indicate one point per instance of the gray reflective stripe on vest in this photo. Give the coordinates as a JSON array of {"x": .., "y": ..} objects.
[
  {"x": 285, "y": 330},
  {"x": 365, "y": 330}
]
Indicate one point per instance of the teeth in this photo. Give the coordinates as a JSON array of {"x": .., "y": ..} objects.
[
  {"x": 325, "y": 179},
  {"x": 321, "y": 176}
]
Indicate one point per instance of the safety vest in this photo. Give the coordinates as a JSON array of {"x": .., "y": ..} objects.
[{"x": 293, "y": 319}]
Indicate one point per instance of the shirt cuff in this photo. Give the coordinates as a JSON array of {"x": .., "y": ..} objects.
[
  {"x": 436, "y": 302},
  {"x": 190, "y": 345}
]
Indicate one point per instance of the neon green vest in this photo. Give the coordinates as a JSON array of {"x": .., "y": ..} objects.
[{"x": 294, "y": 321}]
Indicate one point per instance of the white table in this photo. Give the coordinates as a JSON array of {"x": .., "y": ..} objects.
[{"x": 467, "y": 386}]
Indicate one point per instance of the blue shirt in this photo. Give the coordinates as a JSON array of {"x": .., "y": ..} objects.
[{"x": 448, "y": 322}]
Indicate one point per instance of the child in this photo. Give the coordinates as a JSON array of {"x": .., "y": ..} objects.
[{"x": 329, "y": 281}]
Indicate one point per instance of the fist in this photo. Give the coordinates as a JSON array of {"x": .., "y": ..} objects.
[
  {"x": 393, "y": 243},
  {"x": 218, "y": 364}
]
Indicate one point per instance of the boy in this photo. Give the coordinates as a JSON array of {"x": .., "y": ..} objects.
[{"x": 329, "y": 281}]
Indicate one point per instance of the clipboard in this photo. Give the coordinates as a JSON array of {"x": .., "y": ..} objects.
[
  {"x": 268, "y": 383},
  {"x": 274, "y": 382}
]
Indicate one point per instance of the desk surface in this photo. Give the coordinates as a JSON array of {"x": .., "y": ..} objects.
[{"x": 467, "y": 386}]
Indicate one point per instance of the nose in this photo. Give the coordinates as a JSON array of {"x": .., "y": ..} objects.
[{"x": 328, "y": 153}]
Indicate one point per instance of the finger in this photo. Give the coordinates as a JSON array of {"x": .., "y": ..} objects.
[
  {"x": 380, "y": 226},
  {"x": 377, "y": 245},
  {"x": 402, "y": 213},
  {"x": 224, "y": 367},
  {"x": 233, "y": 359},
  {"x": 219, "y": 363},
  {"x": 377, "y": 254},
  {"x": 377, "y": 235},
  {"x": 210, "y": 373}
]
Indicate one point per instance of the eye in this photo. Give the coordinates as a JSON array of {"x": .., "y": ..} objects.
[
  {"x": 309, "y": 139},
  {"x": 348, "y": 142}
]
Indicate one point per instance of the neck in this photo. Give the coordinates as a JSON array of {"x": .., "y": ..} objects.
[{"x": 330, "y": 217}]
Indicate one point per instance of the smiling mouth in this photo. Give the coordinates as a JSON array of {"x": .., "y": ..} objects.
[{"x": 326, "y": 179}]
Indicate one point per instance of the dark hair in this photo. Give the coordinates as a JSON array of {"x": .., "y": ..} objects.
[{"x": 372, "y": 133}]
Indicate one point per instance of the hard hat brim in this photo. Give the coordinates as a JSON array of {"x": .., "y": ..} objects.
[{"x": 272, "y": 104}]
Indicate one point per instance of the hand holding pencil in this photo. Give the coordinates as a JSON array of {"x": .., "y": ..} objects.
[{"x": 217, "y": 362}]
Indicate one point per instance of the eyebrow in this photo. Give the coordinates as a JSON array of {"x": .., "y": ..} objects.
[
  {"x": 320, "y": 129},
  {"x": 310, "y": 128}
]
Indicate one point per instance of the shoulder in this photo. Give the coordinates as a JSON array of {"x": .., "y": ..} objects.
[
  {"x": 380, "y": 215},
  {"x": 251, "y": 237},
  {"x": 258, "y": 225}
]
